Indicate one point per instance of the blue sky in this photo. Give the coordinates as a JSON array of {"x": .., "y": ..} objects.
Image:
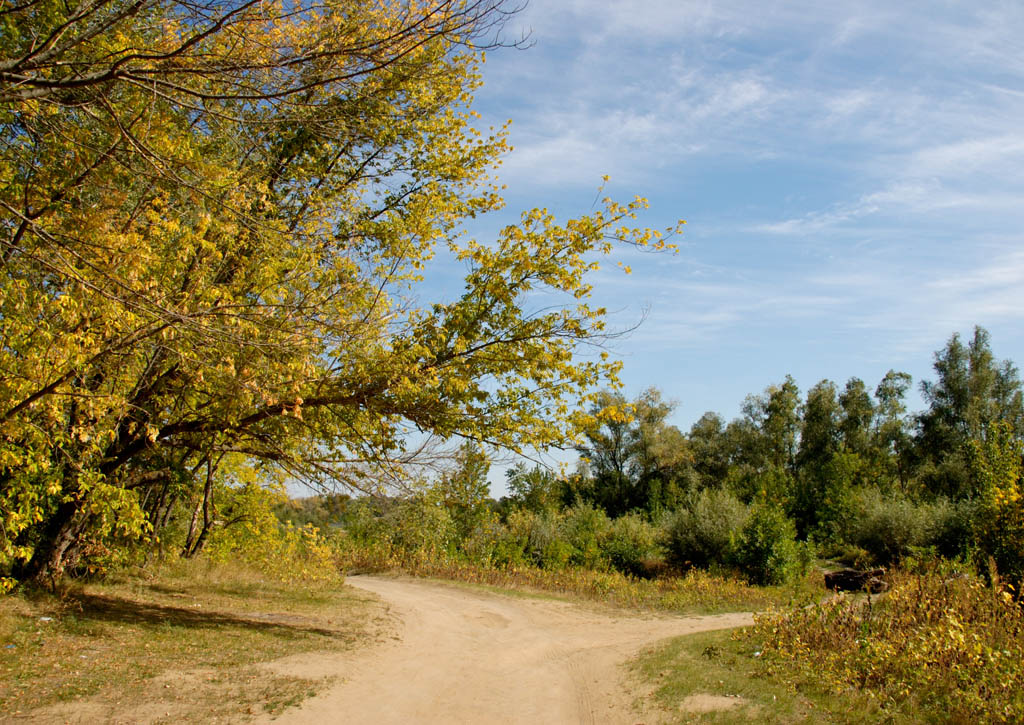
[{"x": 851, "y": 175}]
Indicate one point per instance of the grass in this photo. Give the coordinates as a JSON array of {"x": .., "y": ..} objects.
[
  {"x": 934, "y": 649},
  {"x": 188, "y": 641},
  {"x": 696, "y": 592},
  {"x": 937, "y": 648},
  {"x": 717, "y": 677}
]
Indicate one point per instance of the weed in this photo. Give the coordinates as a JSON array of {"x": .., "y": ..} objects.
[{"x": 946, "y": 647}]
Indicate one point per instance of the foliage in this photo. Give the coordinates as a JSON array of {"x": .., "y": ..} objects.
[
  {"x": 996, "y": 464},
  {"x": 972, "y": 391},
  {"x": 765, "y": 548},
  {"x": 935, "y": 646},
  {"x": 702, "y": 532},
  {"x": 632, "y": 456},
  {"x": 463, "y": 491},
  {"x": 535, "y": 489},
  {"x": 256, "y": 538},
  {"x": 323, "y": 511},
  {"x": 583, "y": 528},
  {"x": 631, "y": 545},
  {"x": 212, "y": 246},
  {"x": 891, "y": 526}
]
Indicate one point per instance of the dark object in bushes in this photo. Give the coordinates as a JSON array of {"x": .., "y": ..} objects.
[{"x": 855, "y": 580}]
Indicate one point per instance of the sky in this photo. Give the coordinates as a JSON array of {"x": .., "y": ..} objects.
[{"x": 851, "y": 176}]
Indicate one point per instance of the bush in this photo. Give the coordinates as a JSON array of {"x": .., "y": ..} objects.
[
  {"x": 257, "y": 538},
  {"x": 630, "y": 544},
  {"x": 512, "y": 547},
  {"x": 953, "y": 527},
  {"x": 938, "y": 649},
  {"x": 766, "y": 550},
  {"x": 421, "y": 524},
  {"x": 997, "y": 464},
  {"x": 701, "y": 533},
  {"x": 890, "y": 526},
  {"x": 583, "y": 528}
]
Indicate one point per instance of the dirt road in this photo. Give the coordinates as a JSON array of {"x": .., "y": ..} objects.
[{"x": 460, "y": 655}]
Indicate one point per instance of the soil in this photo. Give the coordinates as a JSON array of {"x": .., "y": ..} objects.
[{"x": 464, "y": 655}]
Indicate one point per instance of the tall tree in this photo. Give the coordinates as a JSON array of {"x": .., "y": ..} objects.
[
  {"x": 972, "y": 390},
  {"x": 892, "y": 436},
  {"x": 764, "y": 443},
  {"x": 828, "y": 468},
  {"x": 633, "y": 455},
  {"x": 820, "y": 433},
  {"x": 709, "y": 447},
  {"x": 858, "y": 415},
  {"x": 212, "y": 223}
]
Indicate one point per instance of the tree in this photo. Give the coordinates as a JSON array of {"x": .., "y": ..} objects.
[
  {"x": 972, "y": 391},
  {"x": 827, "y": 468},
  {"x": 464, "y": 490},
  {"x": 858, "y": 414},
  {"x": 892, "y": 438},
  {"x": 820, "y": 434},
  {"x": 765, "y": 442},
  {"x": 535, "y": 489},
  {"x": 710, "y": 450},
  {"x": 776, "y": 413},
  {"x": 213, "y": 222},
  {"x": 633, "y": 455}
]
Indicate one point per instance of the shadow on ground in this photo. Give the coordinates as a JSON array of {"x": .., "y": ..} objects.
[{"x": 116, "y": 609}]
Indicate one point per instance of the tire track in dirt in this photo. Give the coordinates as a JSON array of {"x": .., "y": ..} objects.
[{"x": 460, "y": 655}]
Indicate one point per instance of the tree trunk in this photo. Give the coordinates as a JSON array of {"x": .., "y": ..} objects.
[
  {"x": 62, "y": 547},
  {"x": 195, "y": 542}
]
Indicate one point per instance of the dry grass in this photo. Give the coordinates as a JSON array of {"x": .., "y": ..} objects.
[
  {"x": 942, "y": 648},
  {"x": 188, "y": 641},
  {"x": 718, "y": 677},
  {"x": 697, "y": 592}
]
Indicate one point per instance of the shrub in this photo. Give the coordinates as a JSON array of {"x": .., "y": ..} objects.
[
  {"x": 283, "y": 551},
  {"x": 583, "y": 527},
  {"x": 630, "y": 544},
  {"x": 953, "y": 527},
  {"x": 940, "y": 649},
  {"x": 765, "y": 549},
  {"x": 996, "y": 466},
  {"x": 421, "y": 524},
  {"x": 512, "y": 545},
  {"x": 890, "y": 526},
  {"x": 701, "y": 533}
]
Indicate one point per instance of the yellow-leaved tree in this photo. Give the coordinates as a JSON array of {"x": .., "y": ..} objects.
[
  {"x": 997, "y": 464},
  {"x": 213, "y": 219}
]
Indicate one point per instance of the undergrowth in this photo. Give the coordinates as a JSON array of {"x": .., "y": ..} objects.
[
  {"x": 696, "y": 591},
  {"x": 948, "y": 648}
]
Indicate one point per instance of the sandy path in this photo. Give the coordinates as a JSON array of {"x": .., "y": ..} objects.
[{"x": 460, "y": 655}]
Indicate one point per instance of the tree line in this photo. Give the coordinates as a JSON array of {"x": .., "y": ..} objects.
[
  {"x": 842, "y": 472},
  {"x": 807, "y": 452}
]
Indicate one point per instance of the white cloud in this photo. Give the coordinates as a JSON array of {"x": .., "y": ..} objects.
[
  {"x": 864, "y": 159},
  {"x": 955, "y": 159}
]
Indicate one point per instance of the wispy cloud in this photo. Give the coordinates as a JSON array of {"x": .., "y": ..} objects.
[{"x": 851, "y": 172}]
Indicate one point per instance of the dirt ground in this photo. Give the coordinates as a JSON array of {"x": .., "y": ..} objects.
[{"x": 460, "y": 655}]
